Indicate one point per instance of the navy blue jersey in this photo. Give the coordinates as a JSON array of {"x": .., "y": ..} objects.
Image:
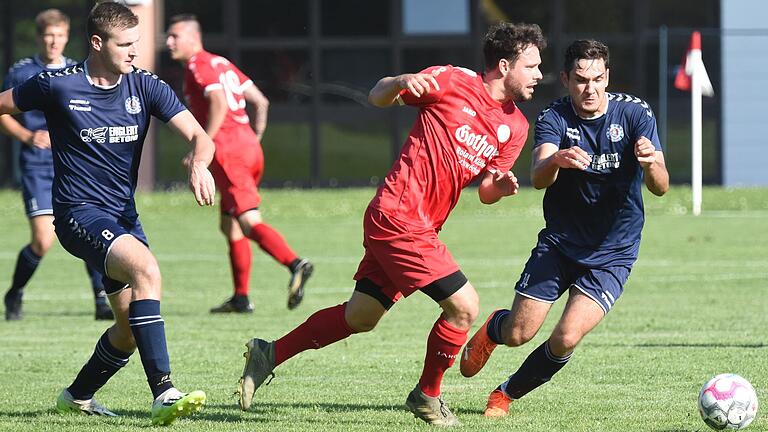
[
  {"x": 595, "y": 216},
  {"x": 21, "y": 71},
  {"x": 97, "y": 133}
]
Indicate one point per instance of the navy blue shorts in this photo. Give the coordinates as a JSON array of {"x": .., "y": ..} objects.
[
  {"x": 548, "y": 274},
  {"x": 36, "y": 184},
  {"x": 88, "y": 233}
]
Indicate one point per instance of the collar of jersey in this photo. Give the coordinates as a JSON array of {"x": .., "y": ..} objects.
[
  {"x": 90, "y": 81},
  {"x": 61, "y": 65}
]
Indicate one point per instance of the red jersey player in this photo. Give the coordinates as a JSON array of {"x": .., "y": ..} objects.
[
  {"x": 217, "y": 92},
  {"x": 468, "y": 127}
]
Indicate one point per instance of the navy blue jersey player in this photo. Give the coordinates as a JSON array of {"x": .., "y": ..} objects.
[
  {"x": 36, "y": 163},
  {"x": 593, "y": 152},
  {"x": 98, "y": 113}
]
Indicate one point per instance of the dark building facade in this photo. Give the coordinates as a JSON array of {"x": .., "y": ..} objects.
[{"x": 316, "y": 60}]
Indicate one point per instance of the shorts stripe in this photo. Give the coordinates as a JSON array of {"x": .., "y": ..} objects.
[
  {"x": 118, "y": 290},
  {"x": 602, "y": 306},
  {"x": 106, "y": 255},
  {"x": 534, "y": 298},
  {"x": 43, "y": 212}
]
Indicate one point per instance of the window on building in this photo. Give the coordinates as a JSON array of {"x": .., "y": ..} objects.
[
  {"x": 283, "y": 75},
  {"x": 355, "y": 18},
  {"x": 274, "y": 18},
  {"x": 347, "y": 74},
  {"x": 426, "y": 17}
]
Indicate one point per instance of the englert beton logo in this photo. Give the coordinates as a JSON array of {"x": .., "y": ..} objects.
[{"x": 98, "y": 134}]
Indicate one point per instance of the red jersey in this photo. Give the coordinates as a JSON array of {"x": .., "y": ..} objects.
[
  {"x": 459, "y": 134},
  {"x": 206, "y": 72}
]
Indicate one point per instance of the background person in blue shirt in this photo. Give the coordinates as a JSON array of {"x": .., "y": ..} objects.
[
  {"x": 593, "y": 151},
  {"x": 36, "y": 163},
  {"x": 98, "y": 114}
]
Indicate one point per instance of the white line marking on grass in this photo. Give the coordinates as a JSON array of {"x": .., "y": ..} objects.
[
  {"x": 734, "y": 214},
  {"x": 699, "y": 277},
  {"x": 720, "y": 263}
]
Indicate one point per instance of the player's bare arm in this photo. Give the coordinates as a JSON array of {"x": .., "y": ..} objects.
[
  {"x": 654, "y": 169},
  {"x": 11, "y": 127},
  {"x": 385, "y": 92},
  {"x": 200, "y": 179},
  {"x": 7, "y": 105},
  {"x": 14, "y": 129},
  {"x": 495, "y": 185},
  {"x": 548, "y": 159},
  {"x": 260, "y": 103},
  {"x": 217, "y": 111}
]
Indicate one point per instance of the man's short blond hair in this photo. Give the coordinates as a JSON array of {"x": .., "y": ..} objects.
[
  {"x": 108, "y": 16},
  {"x": 50, "y": 17}
]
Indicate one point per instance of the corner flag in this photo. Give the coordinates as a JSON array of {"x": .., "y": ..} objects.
[
  {"x": 692, "y": 76},
  {"x": 693, "y": 64}
]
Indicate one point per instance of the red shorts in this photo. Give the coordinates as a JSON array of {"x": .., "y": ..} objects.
[
  {"x": 401, "y": 258},
  {"x": 237, "y": 169}
]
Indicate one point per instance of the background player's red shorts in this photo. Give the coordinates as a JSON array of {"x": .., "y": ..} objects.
[
  {"x": 237, "y": 168},
  {"x": 401, "y": 258}
]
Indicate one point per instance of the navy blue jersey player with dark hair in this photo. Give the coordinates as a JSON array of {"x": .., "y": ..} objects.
[
  {"x": 593, "y": 152},
  {"x": 98, "y": 113},
  {"x": 36, "y": 163}
]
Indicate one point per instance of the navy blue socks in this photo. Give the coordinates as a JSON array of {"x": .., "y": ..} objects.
[
  {"x": 105, "y": 361},
  {"x": 536, "y": 370},
  {"x": 149, "y": 332},
  {"x": 26, "y": 264},
  {"x": 97, "y": 284},
  {"x": 494, "y": 326}
]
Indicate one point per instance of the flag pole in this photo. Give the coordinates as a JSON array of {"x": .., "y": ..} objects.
[
  {"x": 696, "y": 142},
  {"x": 694, "y": 60}
]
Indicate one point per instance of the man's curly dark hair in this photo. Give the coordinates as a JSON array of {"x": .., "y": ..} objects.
[{"x": 506, "y": 41}]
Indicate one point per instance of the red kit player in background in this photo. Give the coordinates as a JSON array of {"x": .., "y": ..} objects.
[
  {"x": 217, "y": 91},
  {"x": 468, "y": 128}
]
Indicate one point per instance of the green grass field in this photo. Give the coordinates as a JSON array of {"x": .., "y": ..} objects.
[{"x": 696, "y": 305}]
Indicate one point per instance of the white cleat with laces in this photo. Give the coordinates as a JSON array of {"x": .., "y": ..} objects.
[{"x": 66, "y": 403}]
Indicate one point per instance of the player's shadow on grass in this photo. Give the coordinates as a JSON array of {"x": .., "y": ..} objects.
[
  {"x": 229, "y": 414},
  {"x": 259, "y": 407},
  {"x": 221, "y": 412},
  {"x": 270, "y": 412},
  {"x": 269, "y": 408}
]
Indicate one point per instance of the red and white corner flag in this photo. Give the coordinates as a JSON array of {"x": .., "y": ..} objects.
[
  {"x": 693, "y": 64},
  {"x": 692, "y": 76}
]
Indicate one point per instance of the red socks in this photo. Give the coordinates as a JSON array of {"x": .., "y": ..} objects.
[
  {"x": 322, "y": 328},
  {"x": 240, "y": 261},
  {"x": 272, "y": 243},
  {"x": 327, "y": 326},
  {"x": 443, "y": 346}
]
